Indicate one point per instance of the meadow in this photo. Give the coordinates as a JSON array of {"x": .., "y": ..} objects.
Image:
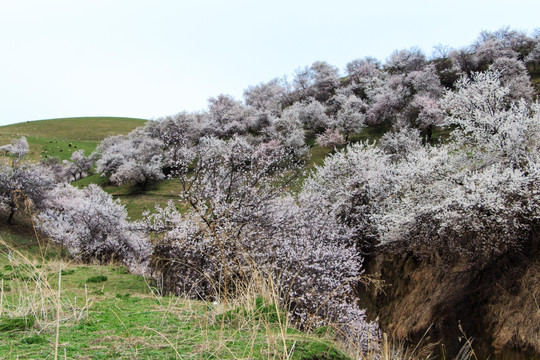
[{"x": 61, "y": 137}]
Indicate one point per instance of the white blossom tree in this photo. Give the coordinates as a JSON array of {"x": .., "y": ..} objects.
[
  {"x": 81, "y": 164},
  {"x": 331, "y": 138},
  {"x": 425, "y": 81},
  {"x": 490, "y": 50},
  {"x": 400, "y": 142},
  {"x": 489, "y": 122},
  {"x": 56, "y": 168},
  {"x": 405, "y": 60},
  {"x": 429, "y": 115},
  {"x": 93, "y": 227},
  {"x": 18, "y": 148},
  {"x": 23, "y": 185},
  {"x": 350, "y": 186},
  {"x": 514, "y": 75},
  {"x": 240, "y": 227},
  {"x": 135, "y": 157},
  {"x": 289, "y": 131},
  {"x": 534, "y": 56},
  {"x": 387, "y": 100},
  {"x": 318, "y": 81},
  {"x": 326, "y": 78},
  {"x": 178, "y": 134},
  {"x": 266, "y": 97},
  {"x": 363, "y": 68},
  {"x": 350, "y": 118},
  {"x": 311, "y": 114},
  {"x": 229, "y": 115}
]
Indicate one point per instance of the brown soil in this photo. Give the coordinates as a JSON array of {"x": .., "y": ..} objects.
[{"x": 441, "y": 307}]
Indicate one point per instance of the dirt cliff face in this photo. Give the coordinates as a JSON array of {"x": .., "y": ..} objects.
[{"x": 441, "y": 306}]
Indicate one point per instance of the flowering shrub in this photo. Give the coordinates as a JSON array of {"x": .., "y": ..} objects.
[
  {"x": 330, "y": 138},
  {"x": 135, "y": 157},
  {"x": 93, "y": 227},
  {"x": 472, "y": 199},
  {"x": 240, "y": 228}
]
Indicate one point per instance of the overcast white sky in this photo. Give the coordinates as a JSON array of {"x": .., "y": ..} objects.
[{"x": 150, "y": 58}]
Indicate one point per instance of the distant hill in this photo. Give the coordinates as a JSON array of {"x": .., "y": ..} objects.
[
  {"x": 79, "y": 128},
  {"x": 60, "y": 137}
]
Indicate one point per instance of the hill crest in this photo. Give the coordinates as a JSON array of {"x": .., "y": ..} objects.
[{"x": 80, "y": 128}]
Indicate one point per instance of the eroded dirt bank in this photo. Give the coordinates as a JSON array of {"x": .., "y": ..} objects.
[{"x": 438, "y": 305}]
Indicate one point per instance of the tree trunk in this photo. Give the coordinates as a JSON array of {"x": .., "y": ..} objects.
[
  {"x": 429, "y": 133},
  {"x": 10, "y": 217}
]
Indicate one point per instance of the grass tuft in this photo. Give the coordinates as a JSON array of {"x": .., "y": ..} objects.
[
  {"x": 97, "y": 279},
  {"x": 20, "y": 323}
]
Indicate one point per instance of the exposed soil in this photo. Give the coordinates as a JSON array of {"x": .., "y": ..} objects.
[{"x": 441, "y": 306}]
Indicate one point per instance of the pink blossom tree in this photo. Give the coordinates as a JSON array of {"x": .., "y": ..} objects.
[
  {"x": 18, "y": 148},
  {"x": 135, "y": 157},
  {"x": 23, "y": 185},
  {"x": 93, "y": 227},
  {"x": 240, "y": 226}
]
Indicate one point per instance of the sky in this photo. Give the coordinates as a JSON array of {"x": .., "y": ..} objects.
[{"x": 152, "y": 58}]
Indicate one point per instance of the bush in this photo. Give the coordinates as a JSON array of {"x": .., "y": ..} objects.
[{"x": 93, "y": 227}]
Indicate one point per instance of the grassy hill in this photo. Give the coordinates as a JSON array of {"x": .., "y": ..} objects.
[
  {"x": 79, "y": 128},
  {"x": 60, "y": 137}
]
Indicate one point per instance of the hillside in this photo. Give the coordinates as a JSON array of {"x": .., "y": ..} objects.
[
  {"x": 60, "y": 137},
  {"x": 80, "y": 128}
]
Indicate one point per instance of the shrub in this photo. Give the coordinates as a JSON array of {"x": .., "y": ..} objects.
[
  {"x": 93, "y": 226},
  {"x": 240, "y": 229}
]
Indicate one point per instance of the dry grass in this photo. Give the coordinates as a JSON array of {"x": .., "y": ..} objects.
[
  {"x": 515, "y": 313},
  {"x": 33, "y": 295}
]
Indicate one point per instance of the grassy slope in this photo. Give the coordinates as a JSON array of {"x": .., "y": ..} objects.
[
  {"x": 60, "y": 137},
  {"x": 82, "y": 128},
  {"x": 108, "y": 313}
]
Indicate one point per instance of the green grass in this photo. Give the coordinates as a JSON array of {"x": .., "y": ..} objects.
[
  {"x": 124, "y": 316},
  {"x": 81, "y": 128},
  {"x": 61, "y": 137},
  {"x": 41, "y": 147},
  {"x": 134, "y": 198}
]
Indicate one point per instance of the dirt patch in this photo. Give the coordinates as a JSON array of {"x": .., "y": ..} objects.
[{"x": 438, "y": 306}]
